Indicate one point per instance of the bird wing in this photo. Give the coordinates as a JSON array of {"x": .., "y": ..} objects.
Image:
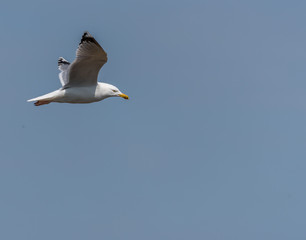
[
  {"x": 90, "y": 57},
  {"x": 63, "y": 66}
]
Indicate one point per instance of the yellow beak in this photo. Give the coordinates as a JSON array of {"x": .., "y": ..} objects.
[{"x": 123, "y": 96}]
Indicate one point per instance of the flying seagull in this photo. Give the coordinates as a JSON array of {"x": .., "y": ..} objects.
[{"x": 80, "y": 79}]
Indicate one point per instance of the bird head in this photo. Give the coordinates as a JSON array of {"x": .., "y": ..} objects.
[{"x": 113, "y": 91}]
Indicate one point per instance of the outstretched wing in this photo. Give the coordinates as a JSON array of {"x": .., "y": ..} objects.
[
  {"x": 63, "y": 66},
  {"x": 90, "y": 57}
]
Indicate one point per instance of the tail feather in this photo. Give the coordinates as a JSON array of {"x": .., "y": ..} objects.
[
  {"x": 40, "y": 101},
  {"x": 44, "y": 99},
  {"x": 33, "y": 99}
]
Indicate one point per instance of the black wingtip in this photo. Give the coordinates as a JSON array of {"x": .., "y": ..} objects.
[
  {"x": 87, "y": 38},
  {"x": 61, "y": 61}
]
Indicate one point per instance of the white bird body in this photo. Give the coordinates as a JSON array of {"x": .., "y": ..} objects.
[
  {"x": 83, "y": 94},
  {"x": 79, "y": 79}
]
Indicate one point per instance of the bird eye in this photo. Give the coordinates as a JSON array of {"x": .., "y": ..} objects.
[{"x": 114, "y": 90}]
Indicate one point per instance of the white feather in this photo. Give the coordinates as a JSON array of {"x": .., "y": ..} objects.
[{"x": 63, "y": 66}]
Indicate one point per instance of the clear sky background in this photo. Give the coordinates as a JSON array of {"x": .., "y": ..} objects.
[{"x": 211, "y": 144}]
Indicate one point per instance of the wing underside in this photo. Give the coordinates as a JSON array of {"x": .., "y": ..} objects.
[
  {"x": 63, "y": 66},
  {"x": 90, "y": 57}
]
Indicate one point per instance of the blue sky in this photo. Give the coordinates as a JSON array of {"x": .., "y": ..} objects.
[{"x": 211, "y": 144}]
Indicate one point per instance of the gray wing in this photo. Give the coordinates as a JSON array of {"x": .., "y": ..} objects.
[
  {"x": 90, "y": 57},
  {"x": 63, "y": 66}
]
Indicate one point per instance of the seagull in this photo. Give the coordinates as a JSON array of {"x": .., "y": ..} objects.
[{"x": 80, "y": 78}]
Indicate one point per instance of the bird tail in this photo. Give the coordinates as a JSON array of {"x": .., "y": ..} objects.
[{"x": 44, "y": 99}]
